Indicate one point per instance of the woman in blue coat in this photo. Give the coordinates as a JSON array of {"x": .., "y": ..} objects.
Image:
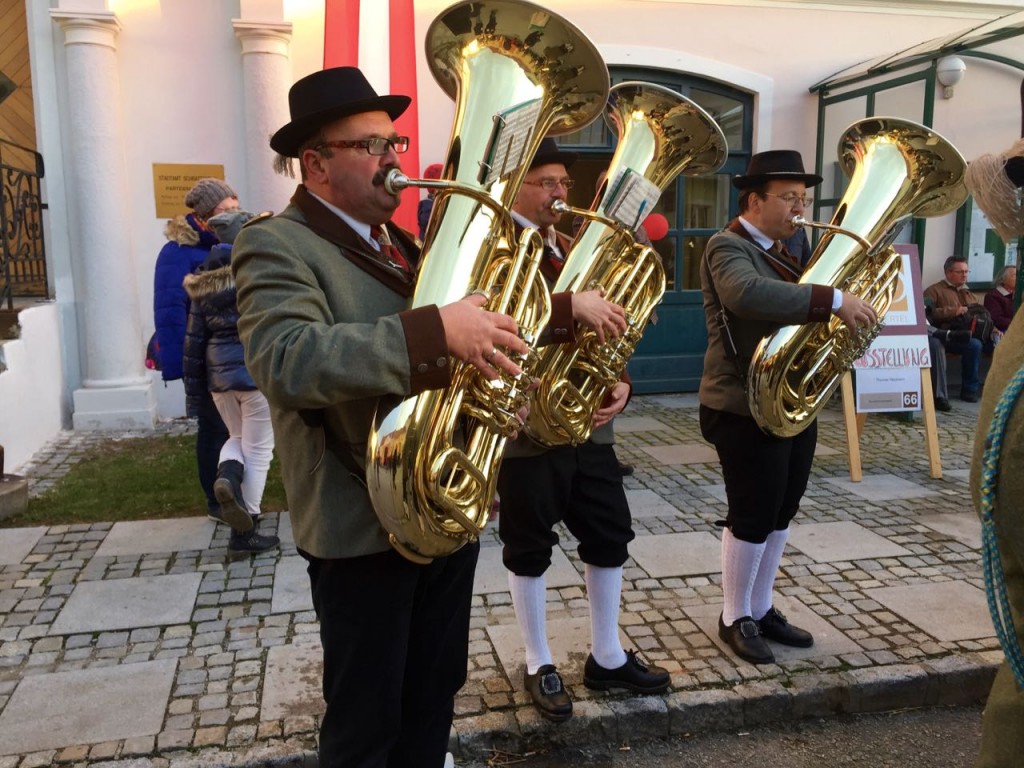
[{"x": 189, "y": 241}]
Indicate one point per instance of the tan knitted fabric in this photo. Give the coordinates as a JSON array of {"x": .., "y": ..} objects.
[{"x": 995, "y": 194}]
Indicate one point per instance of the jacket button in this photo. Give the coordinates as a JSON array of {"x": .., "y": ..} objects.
[
  {"x": 422, "y": 367},
  {"x": 442, "y": 362}
]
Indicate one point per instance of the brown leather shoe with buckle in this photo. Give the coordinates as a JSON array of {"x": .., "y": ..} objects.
[
  {"x": 775, "y": 626},
  {"x": 548, "y": 693},
  {"x": 744, "y": 637}
]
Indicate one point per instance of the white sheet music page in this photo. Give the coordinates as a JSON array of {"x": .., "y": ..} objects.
[
  {"x": 513, "y": 127},
  {"x": 633, "y": 197}
]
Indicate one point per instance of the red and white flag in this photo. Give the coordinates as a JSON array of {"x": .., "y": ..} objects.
[{"x": 379, "y": 38}]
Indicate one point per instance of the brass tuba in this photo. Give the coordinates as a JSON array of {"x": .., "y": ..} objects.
[
  {"x": 660, "y": 135},
  {"x": 517, "y": 72},
  {"x": 897, "y": 169}
]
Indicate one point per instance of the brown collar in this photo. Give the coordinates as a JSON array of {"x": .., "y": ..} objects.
[{"x": 325, "y": 223}]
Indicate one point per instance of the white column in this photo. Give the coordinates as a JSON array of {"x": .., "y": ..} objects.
[
  {"x": 266, "y": 77},
  {"x": 115, "y": 393}
]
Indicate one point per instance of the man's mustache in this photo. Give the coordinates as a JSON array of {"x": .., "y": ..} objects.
[{"x": 379, "y": 176}]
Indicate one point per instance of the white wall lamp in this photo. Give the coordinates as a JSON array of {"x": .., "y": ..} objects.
[{"x": 949, "y": 71}]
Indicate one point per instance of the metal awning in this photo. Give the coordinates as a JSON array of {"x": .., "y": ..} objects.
[{"x": 968, "y": 42}]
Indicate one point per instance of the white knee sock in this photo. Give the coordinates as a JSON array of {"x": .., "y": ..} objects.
[
  {"x": 529, "y": 603},
  {"x": 604, "y": 590},
  {"x": 740, "y": 561},
  {"x": 764, "y": 582}
]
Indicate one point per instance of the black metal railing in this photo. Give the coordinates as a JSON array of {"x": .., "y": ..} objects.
[{"x": 23, "y": 254}]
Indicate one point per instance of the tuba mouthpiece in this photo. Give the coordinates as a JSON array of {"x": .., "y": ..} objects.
[
  {"x": 798, "y": 221},
  {"x": 395, "y": 181}
]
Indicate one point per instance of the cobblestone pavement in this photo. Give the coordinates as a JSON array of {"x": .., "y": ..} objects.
[{"x": 141, "y": 644}]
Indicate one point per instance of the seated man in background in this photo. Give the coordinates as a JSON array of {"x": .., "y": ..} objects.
[{"x": 949, "y": 300}]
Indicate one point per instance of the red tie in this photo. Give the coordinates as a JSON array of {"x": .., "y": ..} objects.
[{"x": 389, "y": 250}]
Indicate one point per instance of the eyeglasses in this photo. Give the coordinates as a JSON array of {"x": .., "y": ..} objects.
[
  {"x": 792, "y": 198},
  {"x": 378, "y": 145},
  {"x": 550, "y": 184}
]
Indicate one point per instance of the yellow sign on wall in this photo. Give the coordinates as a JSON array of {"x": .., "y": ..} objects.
[{"x": 172, "y": 181}]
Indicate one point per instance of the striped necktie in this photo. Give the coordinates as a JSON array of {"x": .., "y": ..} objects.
[{"x": 388, "y": 249}]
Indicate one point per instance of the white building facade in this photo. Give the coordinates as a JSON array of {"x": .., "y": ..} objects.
[{"x": 119, "y": 86}]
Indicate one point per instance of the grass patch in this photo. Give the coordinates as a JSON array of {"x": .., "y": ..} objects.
[{"x": 148, "y": 478}]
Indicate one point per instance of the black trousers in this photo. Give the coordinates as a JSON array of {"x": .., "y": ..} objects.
[
  {"x": 581, "y": 485},
  {"x": 395, "y": 637},
  {"x": 765, "y": 476}
]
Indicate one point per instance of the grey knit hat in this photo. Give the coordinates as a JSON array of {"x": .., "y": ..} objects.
[
  {"x": 207, "y": 194},
  {"x": 228, "y": 224}
]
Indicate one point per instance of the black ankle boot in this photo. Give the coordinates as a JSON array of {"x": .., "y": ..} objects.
[
  {"x": 228, "y": 490},
  {"x": 245, "y": 542}
]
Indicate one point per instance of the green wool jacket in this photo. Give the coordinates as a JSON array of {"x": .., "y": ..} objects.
[
  {"x": 736, "y": 273},
  {"x": 1003, "y": 722},
  {"x": 328, "y": 336}
]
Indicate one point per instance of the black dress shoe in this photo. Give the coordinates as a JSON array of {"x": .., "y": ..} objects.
[
  {"x": 775, "y": 626},
  {"x": 548, "y": 694},
  {"x": 625, "y": 469},
  {"x": 942, "y": 404},
  {"x": 744, "y": 637},
  {"x": 634, "y": 675},
  {"x": 969, "y": 396}
]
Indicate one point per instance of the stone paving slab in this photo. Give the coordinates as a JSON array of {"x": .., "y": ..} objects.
[
  {"x": 963, "y": 526},
  {"x": 568, "y": 640},
  {"x": 644, "y": 503},
  {"x": 948, "y": 610},
  {"x": 685, "y": 453},
  {"x": 882, "y": 487},
  {"x": 86, "y": 706},
  {"x": 828, "y": 641},
  {"x": 150, "y": 536},
  {"x": 625, "y": 424},
  {"x": 291, "y": 586},
  {"x": 491, "y": 575},
  {"x": 148, "y": 601},
  {"x": 17, "y": 543},
  {"x": 292, "y": 681},
  {"x": 841, "y": 541},
  {"x": 677, "y": 554},
  {"x": 243, "y": 640}
]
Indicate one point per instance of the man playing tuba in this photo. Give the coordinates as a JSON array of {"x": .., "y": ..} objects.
[
  {"x": 750, "y": 289},
  {"x": 580, "y": 485},
  {"x": 323, "y": 290}
]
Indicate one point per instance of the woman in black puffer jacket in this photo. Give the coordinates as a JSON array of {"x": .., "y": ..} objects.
[{"x": 214, "y": 361}]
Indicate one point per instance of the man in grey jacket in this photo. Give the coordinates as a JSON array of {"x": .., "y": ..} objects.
[
  {"x": 750, "y": 289},
  {"x": 328, "y": 335}
]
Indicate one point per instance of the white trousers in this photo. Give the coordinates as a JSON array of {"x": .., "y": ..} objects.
[{"x": 246, "y": 414}]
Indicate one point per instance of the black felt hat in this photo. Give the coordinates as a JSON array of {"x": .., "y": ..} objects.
[
  {"x": 328, "y": 95},
  {"x": 775, "y": 165},
  {"x": 549, "y": 152}
]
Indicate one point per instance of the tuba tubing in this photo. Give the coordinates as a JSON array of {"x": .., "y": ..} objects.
[
  {"x": 661, "y": 135},
  {"x": 517, "y": 72},
  {"x": 898, "y": 169}
]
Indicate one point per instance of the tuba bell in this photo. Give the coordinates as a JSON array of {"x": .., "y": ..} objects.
[
  {"x": 517, "y": 72},
  {"x": 660, "y": 135},
  {"x": 898, "y": 169}
]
